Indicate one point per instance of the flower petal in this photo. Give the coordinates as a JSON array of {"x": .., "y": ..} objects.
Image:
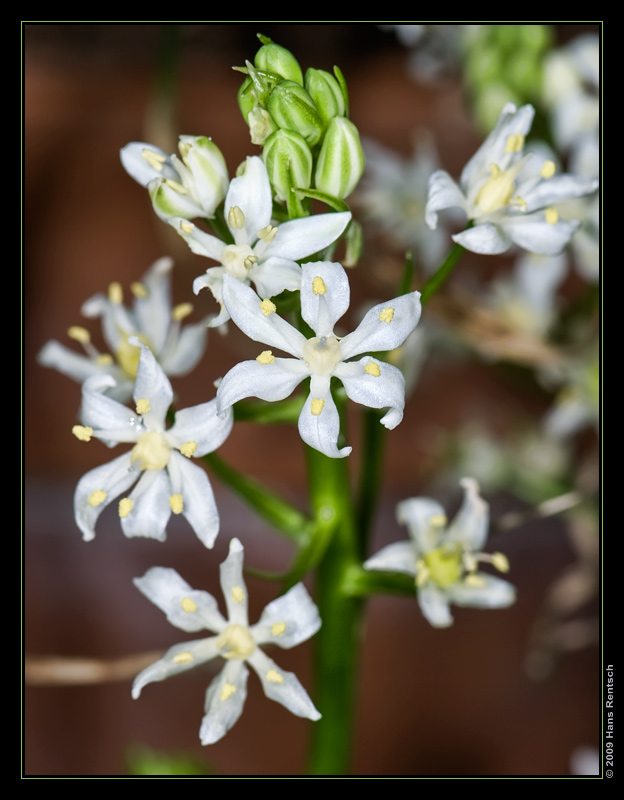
[
  {"x": 534, "y": 233},
  {"x": 443, "y": 193},
  {"x": 284, "y": 687},
  {"x": 271, "y": 382},
  {"x": 395, "y": 557},
  {"x": 233, "y": 584},
  {"x": 198, "y": 503},
  {"x": 225, "y": 699},
  {"x": 434, "y": 606},
  {"x": 150, "y": 511},
  {"x": 300, "y": 238},
  {"x": 185, "y": 607},
  {"x": 384, "y": 327},
  {"x": 425, "y": 520},
  {"x": 251, "y": 192},
  {"x": 289, "y": 620},
  {"x": 492, "y": 593},
  {"x": 324, "y": 295},
  {"x": 97, "y": 489},
  {"x": 201, "y": 425},
  {"x": 110, "y": 420},
  {"x": 319, "y": 423},
  {"x": 184, "y": 351},
  {"x": 385, "y": 387},
  {"x": 152, "y": 384},
  {"x": 142, "y": 170},
  {"x": 179, "y": 658},
  {"x": 274, "y": 275},
  {"x": 558, "y": 189},
  {"x": 487, "y": 239},
  {"x": 152, "y": 310},
  {"x": 470, "y": 525},
  {"x": 199, "y": 242}
]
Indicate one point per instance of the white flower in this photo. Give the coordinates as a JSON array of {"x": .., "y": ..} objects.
[
  {"x": 506, "y": 211},
  {"x": 262, "y": 252},
  {"x": 189, "y": 188},
  {"x": 159, "y": 463},
  {"x": 443, "y": 559},
  {"x": 324, "y": 299},
  {"x": 151, "y": 319},
  {"x": 286, "y": 622}
]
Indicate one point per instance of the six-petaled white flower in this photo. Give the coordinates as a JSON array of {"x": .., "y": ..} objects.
[
  {"x": 443, "y": 559},
  {"x": 152, "y": 319},
  {"x": 324, "y": 299},
  {"x": 285, "y": 622},
  {"x": 504, "y": 209},
  {"x": 190, "y": 187},
  {"x": 262, "y": 253},
  {"x": 159, "y": 463}
]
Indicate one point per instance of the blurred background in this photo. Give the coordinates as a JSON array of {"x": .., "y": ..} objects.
[{"x": 513, "y": 692}]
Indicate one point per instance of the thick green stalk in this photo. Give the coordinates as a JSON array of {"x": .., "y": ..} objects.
[{"x": 442, "y": 273}]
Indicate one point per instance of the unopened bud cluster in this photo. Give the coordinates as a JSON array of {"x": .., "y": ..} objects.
[{"x": 302, "y": 124}]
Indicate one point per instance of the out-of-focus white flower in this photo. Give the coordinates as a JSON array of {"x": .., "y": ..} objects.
[
  {"x": 159, "y": 463},
  {"x": 262, "y": 253},
  {"x": 190, "y": 187},
  {"x": 151, "y": 319},
  {"x": 286, "y": 622},
  {"x": 577, "y": 404},
  {"x": 324, "y": 299},
  {"x": 443, "y": 558},
  {"x": 504, "y": 209},
  {"x": 435, "y": 49},
  {"x": 393, "y": 195}
]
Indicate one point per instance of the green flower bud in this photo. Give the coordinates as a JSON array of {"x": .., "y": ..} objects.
[
  {"x": 341, "y": 161},
  {"x": 246, "y": 98},
  {"x": 326, "y": 94},
  {"x": 288, "y": 160},
  {"x": 280, "y": 61},
  {"x": 292, "y": 107}
]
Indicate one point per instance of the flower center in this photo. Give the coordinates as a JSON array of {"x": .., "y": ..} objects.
[
  {"x": 497, "y": 191},
  {"x": 237, "y": 260},
  {"x": 128, "y": 355},
  {"x": 151, "y": 451},
  {"x": 321, "y": 354},
  {"x": 444, "y": 566},
  {"x": 236, "y": 642}
]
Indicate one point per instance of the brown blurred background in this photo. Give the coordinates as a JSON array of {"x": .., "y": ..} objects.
[{"x": 455, "y": 702}]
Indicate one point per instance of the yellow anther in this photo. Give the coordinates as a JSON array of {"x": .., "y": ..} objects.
[
  {"x": 273, "y": 676},
  {"x": 474, "y": 580},
  {"x": 267, "y": 234},
  {"x": 267, "y": 307},
  {"x": 422, "y": 573},
  {"x": 104, "y": 359},
  {"x": 186, "y": 226},
  {"x": 444, "y": 565},
  {"x": 181, "y": 310},
  {"x": 115, "y": 293},
  {"x": 183, "y": 658},
  {"x": 82, "y": 432},
  {"x": 238, "y": 595},
  {"x": 188, "y": 448},
  {"x": 318, "y": 285},
  {"x": 518, "y": 204},
  {"x": 139, "y": 290},
  {"x": 155, "y": 160},
  {"x": 128, "y": 355},
  {"x": 278, "y": 628},
  {"x": 438, "y": 521},
  {"x": 372, "y": 368},
  {"x": 151, "y": 451},
  {"x": 176, "y": 503},
  {"x": 266, "y": 357},
  {"x": 470, "y": 562},
  {"x": 227, "y": 691},
  {"x": 79, "y": 334},
  {"x": 514, "y": 143},
  {"x": 316, "y": 405},
  {"x": 548, "y": 169},
  {"x": 143, "y": 406},
  {"x": 552, "y": 216},
  {"x": 177, "y": 187},
  {"x": 125, "y": 507},
  {"x": 250, "y": 261},
  {"x": 236, "y": 218},
  {"x": 500, "y": 561},
  {"x": 97, "y": 497},
  {"x": 188, "y": 605},
  {"x": 387, "y": 314}
]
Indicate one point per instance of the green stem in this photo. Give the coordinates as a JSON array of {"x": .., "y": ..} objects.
[{"x": 442, "y": 273}]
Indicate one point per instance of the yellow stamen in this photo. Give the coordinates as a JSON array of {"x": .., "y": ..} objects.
[
  {"x": 143, "y": 406},
  {"x": 438, "y": 521},
  {"x": 183, "y": 658},
  {"x": 387, "y": 314},
  {"x": 236, "y": 217},
  {"x": 181, "y": 310},
  {"x": 79, "y": 334},
  {"x": 267, "y": 307},
  {"x": 115, "y": 293},
  {"x": 372, "y": 368},
  {"x": 500, "y": 561},
  {"x": 518, "y": 203},
  {"x": 104, "y": 359},
  {"x": 278, "y": 628},
  {"x": 125, "y": 507},
  {"x": 139, "y": 290},
  {"x": 548, "y": 169},
  {"x": 227, "y": 691},
  {"x": 176, "y": 503},
  {"x": 552, "y": 216},
  {"x": 514, "y": 143},
  {"x": 186, "y": 226},
  {"x": 267, "y": 234},
  {"x": 82, "y": 432},
  {"x": 155, "y": 160},
  {"x": 266, "y": 357},
  {"x": 238, "y": 595},
  {"x": 250, "y": 261},
  {"x": 188, "y": 605},
  {"x": 188, "y": 448},
  {"x": 177, "y": 187},
  {"x": 97, "y": 497},
  {"x": 273, "y": 676},
  {"x": 316, "y": 405},
  {"x": 318, "y": 285},
  {"x": 474, "y": 580}
]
